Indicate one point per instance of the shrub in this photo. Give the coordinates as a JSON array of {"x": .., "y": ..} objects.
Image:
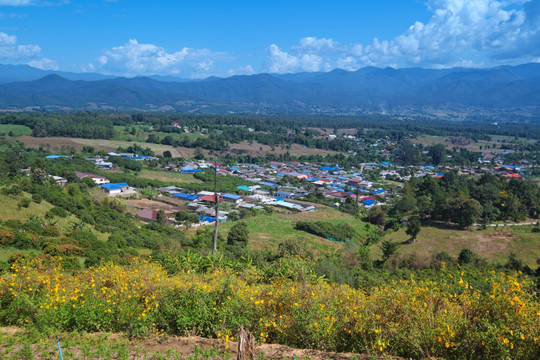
[
  {"x": 56, "y": 211},
  {"x": 337, "y": 232},
  {"x": 24, "y": 203},
  {"x": 37, "y": 198}
]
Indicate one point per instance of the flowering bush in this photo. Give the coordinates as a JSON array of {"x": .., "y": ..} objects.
[{"x": 287, "y": 304}]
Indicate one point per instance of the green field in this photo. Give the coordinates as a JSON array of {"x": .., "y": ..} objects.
[
  {"x": 10, "y": 211},
  {"x": 493, "y": 244},
  {"x": 15, "y": 130},
  {"x": 167, "y": 176},
  {"x": 267, "y": 231}
]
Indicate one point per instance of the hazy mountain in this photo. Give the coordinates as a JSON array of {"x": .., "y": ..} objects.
[
  {"x": 335, "y": 91},
  {"x": 14, "y": 73}
]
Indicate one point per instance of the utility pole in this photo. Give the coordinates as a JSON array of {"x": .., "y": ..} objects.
[{"x": 216, "y": 197}]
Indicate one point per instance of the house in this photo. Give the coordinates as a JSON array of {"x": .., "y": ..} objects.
[
  {"x": 342, "y": 195},
  {"x": 59, "y": 180},
  {"x": 354, "y": 182},
  {"x": 369, "y": 202},
  {"x": 115, "y": 188},
  {"x": 169, "y": 189},
  {"x": 248, "y": 206},
  {"x": 235, "y": 199},
  {"x": 210, "y": 198},
  {"x": 183, "y": 196},
  {"x": 97, "y": 179},
  {"x": 244, "y": 188},
  {"x": 54, "y": 156}
]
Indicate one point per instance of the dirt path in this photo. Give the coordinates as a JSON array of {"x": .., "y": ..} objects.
[{"x": 116, "y": 346}]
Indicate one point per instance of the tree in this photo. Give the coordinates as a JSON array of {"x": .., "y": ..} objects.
[
  {"x": 162, "y": 217},
  {"x": 466, "y": 256},
  {"x": 376, "y": 215},
  {"x": 167, "y": 154},
  {"x": 39, "y": 173},
  {"x": 438, "y": 154},
  {"x": 198, "y": 155},
  {"x": 470, "y": 212},
  {"x": 182, "y": 215},
  {"x": 407, "y": 153},
  {"x": 238, "y": 235},
  {"x": 413, "y": 228},
  {"x": 388, "y": 249}
]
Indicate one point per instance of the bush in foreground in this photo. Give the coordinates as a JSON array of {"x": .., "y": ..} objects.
[{"x": 285, "y": 304}]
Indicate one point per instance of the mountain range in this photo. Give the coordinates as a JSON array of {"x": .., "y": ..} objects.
[{"x": 339, "y": 91}]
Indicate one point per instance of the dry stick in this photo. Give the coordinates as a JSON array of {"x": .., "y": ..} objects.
[
  {"x": 246, "y": 345},
  {"x": 216, "y": 225}
]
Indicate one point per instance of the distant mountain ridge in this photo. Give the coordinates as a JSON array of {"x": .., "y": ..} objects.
[{"x": 337, "y": 91}]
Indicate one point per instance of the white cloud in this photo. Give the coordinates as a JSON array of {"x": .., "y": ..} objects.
[
  {"x": 7, "y": 40},
  {"x": 313, "y": 44},
  {"x": 134, "y": 58},
  {"x": 282, "y": 62},
  {"x": 459, "y": 33},
  {"x": 10, "y": 50},
  {"x": 44, "y": 64},
  {"x": 242, "y": 70}
]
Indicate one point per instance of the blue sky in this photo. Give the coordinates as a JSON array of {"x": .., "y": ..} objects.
[{"x": 201, "y": 38}]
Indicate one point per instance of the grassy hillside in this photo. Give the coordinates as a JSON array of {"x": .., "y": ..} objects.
[
  {"x": 15, "y": 130},
  {"x": 494, "y": 244}
]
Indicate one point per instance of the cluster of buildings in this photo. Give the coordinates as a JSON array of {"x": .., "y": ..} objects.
[{"x": 278, "y": 184}]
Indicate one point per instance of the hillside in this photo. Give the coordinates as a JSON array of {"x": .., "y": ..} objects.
[{"x": 515, "y": 89}]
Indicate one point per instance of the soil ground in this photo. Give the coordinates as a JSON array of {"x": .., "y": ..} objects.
[
  {"x": 169, "y": 208},
  {"x": 91, "y": 347},
  {"x": 56, "y": 144},
  {"x": 295, "y": 149}
]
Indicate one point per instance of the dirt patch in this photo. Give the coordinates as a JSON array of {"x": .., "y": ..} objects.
[
  {"x": 63, "y": 143},
  {"x": 258, "y": 149},
  {"x": 176, "y": 348},
  {"x": 490, "y": 244},
  {"x": 155, "y": 205},
  {"x": 347, "y": 131},
  {"x": 10, "y": 330}
]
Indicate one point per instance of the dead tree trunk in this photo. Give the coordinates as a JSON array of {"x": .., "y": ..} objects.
[{"x": 246, "y": 345}]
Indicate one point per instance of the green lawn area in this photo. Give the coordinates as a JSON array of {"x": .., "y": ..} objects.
[
  {"x": 493, "y": 244},
  {"x": 16, "y": 130},
  {"x": 10, "y": 211},
  {"x": 267, "y": 231},
  {"x": 121, "y": 134},
  {"x": 168, "y": 176}
]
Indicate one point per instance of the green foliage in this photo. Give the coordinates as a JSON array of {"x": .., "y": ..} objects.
[
  {"x": 77, "y": 125},
  {"x": 466, "y": 256},
  {"x": 56, "y": 211},
  {"x": 336, "y": 232},
  {"x": 24, "y": 202},
  {"x": 238, "y": 235},
  {"x": 37, "y": 198},
  {"x": 464, "y": 200},
  {"x": 413, "y": 227},
  {"x": 162, "y": 218},
  {"x": 376, "y": 215},
  {"x": 350, "y": 206},
  {"x": 388, "y": 249}
]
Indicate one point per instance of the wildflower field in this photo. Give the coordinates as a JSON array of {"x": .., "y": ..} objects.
[{"x": 460, "y": 315}]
